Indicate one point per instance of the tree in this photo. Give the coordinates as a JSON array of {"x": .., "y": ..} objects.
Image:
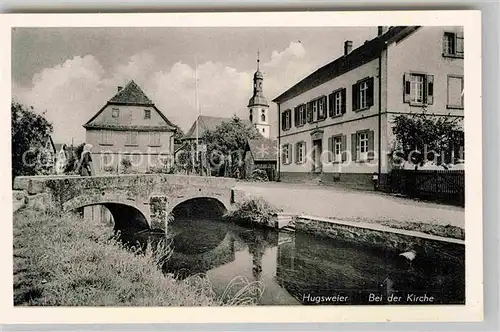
[
  {"x": 226, "y": 144},
  {"x": 421, "y": 137},
  {"x": 178, "y": 135},
  {"x": 74, "y": 158},
  {"x": 29, "y": 132}
]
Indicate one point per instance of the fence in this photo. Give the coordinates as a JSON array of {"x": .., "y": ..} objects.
[{"x": 442, "y": 185}]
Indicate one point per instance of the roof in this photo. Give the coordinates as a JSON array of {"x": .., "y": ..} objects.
[
  {"x": 263, "y": 149},
  {"x": 131, "y": 94},
  {"x": 207, "y": 123},
  {"x": 258, "y": 99},
  {"x": 367, "y": 52},
  {"x": 178, "y": 147}
]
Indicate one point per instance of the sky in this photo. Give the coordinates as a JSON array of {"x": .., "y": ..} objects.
[{"x": 70, "y": 73}]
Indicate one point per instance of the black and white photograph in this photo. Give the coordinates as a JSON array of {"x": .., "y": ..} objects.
[{"x": 295, "y": 166}]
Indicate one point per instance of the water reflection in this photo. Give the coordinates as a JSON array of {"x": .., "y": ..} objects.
[{"x": 298, "y": 268}]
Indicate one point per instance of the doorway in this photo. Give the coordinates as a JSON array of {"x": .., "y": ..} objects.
[{"x": 317, "y": 165}]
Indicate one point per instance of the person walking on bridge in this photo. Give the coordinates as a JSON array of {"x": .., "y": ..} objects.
[{"x": 85, "y": 164}]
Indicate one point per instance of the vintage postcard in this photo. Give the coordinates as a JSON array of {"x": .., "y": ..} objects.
[{"x": 288, "y": 167}]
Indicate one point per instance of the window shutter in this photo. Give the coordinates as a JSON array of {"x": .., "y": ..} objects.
[
  {"x": 283, "y": 160},
  {"x": 354, "y": 156},
  {"x": 304, "y": 149},
  {"x": 430, "y": 89},
  {"x": 296, "y": 116},
  {"x": 460, "y": 43},
  {"x": 330, "y": 105},
  {"x": 445, "y": 51},
  {"x": 343, "y": 148},
  {"x": 309, "y": 112},
  {"x": 369, "y": 93},
  {"x": 344, "y": 100},
  {"x": 283, "y": 121},
  {"x": 296, "y": 156},
  {"x": 371, "y": 152},
  {"x": 330, "y": 148},
  {"x": 406, "y": 88},
  {"x": 355, "y": 94}
]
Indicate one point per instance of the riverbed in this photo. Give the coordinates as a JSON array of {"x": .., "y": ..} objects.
[{"x": 299, "y": 268}]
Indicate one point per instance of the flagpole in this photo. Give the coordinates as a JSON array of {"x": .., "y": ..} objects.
[{"x": 196, "y": 105}]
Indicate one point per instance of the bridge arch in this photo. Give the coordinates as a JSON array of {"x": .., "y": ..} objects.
[
  {"x": 125, "y": 215},
  {"x": 205, "y": 207}
]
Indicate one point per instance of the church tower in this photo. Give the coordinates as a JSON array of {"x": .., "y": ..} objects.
[{"x": 258, "y": 106}]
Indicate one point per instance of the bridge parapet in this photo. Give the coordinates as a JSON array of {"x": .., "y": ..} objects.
[{"x": 137, "y": 190}]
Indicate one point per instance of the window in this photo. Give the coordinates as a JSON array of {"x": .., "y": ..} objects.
[
  {"x": 115, "y": 112},
  {"x": 154, "y": 139},
  {"x": 285, "y": 154},
  {"x": 131, "y": 139},
  {"x": 147, "y": 114},
  {"x": 300, "y": 115},
  {"x": 455, "y": 92},
  {"x": 453, "y": 44},
  {"x": 286, "y": 121},
  {"x": 314, "y": 106},
  {"x": 337, "y": 148},
  {"x": 418, "y": 89},
  {"x": 106, "y": 137},
  {"x": 337, "y": 103},
  {"x": 300, "y": 152},
  {"x": 135, "y": 159},
  {"x": 362, "y": 143},
  {"x": 321, "y": 108},
  {"x": 362, "y": 146},
  {"x": 362, "y": 94},
  {"x": 263, "y": 130},
  {"x": 106, "y": 161},
  {"x": 263, "y": 117}
]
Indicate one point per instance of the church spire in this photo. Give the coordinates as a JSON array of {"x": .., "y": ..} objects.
[{"x": 257, "y": 105}]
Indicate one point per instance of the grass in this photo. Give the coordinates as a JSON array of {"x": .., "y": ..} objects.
[
  {"x": 253, "y": 212},
  {"x": 448, "y": 231},
  {"x": 68, "y": 261}
]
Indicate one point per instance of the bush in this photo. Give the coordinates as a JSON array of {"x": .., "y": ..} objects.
[
  {"x": 258, "y": 175},
  {"x": 254, "y": 212}
]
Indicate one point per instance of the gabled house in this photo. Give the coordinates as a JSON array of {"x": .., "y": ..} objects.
[
  {"x": 130, "y": 127},
  {"x": 261, "y": 154}
]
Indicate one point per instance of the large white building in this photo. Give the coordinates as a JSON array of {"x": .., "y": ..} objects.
[{"x": 346, "y": 107}]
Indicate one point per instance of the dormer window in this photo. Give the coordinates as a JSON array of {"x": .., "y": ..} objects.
[
  {"x": 115, "y": 112},
  {"x": 147, "y": 114}
]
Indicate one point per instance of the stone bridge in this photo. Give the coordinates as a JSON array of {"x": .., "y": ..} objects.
[{"x": 134, "y": 200}]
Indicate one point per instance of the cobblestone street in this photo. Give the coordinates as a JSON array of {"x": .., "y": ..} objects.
[{"x": 353, "y": 205}]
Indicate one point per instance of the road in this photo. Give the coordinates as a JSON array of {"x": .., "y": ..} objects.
[{"x": 352, "y": 205}]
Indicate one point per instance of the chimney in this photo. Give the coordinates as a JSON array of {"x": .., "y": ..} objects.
[
  {"x": 381, "y": 30},
  {"x": 347, "y": 47},
  {"x": 120, "y": 88}
]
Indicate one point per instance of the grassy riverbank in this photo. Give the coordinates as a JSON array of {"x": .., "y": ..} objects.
[{"x": 66, "y": 261}]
